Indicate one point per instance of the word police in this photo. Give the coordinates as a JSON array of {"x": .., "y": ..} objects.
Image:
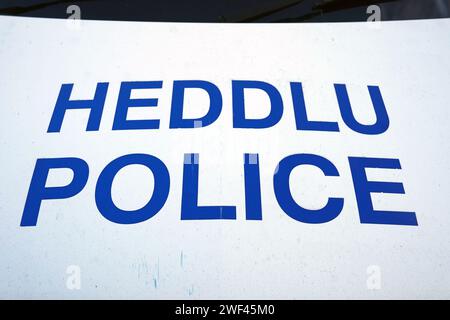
[{"x": 190, "y": 209}]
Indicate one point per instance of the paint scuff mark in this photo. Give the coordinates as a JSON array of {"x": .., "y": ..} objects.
[
  {"x": 156, "y": 277},
  {"x": 181, "y": 259}
]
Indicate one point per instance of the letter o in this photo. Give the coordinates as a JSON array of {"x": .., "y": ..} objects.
[{"x": 104, "y": 200}]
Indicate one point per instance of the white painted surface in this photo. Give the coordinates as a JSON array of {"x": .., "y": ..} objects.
[{"x": 278, "y": 257}]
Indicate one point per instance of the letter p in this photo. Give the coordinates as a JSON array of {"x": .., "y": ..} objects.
[{"x": 38, "y": 191}]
